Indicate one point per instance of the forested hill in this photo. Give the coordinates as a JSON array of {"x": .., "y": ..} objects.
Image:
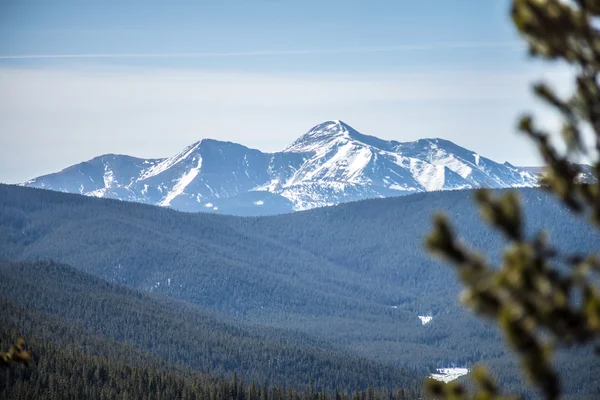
[
  {"x": 54, "y": 303},
  {"x": 354, "y": 275}
]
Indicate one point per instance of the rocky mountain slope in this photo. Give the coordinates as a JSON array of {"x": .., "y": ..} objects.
[{"x": 330, "y": 164}]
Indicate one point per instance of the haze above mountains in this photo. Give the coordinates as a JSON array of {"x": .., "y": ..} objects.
[{"x": 332, "y": 163}]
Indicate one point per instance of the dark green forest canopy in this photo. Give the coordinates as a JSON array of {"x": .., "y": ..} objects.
[
  {"x": 354, "y": 276},
  {"x": 69, "y": 372},
  {"x": 59, "y": 304}
]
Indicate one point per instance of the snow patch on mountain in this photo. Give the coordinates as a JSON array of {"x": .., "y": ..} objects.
[
  {"x": 441, "y": 157},
  {"x": 108, "y": 177},
  {"x": 431, "y": 177},
  {"x": 169, "y": 162},
  {"x": 97, "y": 193},
  {"x": 449, "y": 374},
  {"x": 182, "y": 183}
]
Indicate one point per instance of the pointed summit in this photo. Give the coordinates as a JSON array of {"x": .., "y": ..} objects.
[
  {"x": 329, "y": 128},
  {"x": 319, "y": 135},
  {"x": 336, "y": 132}
]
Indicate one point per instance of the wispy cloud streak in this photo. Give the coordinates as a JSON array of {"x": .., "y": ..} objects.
[{"x": 262, "y": 53}]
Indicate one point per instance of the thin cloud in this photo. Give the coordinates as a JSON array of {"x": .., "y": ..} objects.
[{"x": 358, "y": 50}]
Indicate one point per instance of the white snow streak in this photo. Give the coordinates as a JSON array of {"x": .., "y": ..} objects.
[
  {"x": 169, "y": 162},
  {"x": 109, "y": 177},
  {"x": 180, "y": 186}
]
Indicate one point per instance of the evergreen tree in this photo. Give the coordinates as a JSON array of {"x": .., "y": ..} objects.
[{"x": 541, "y": 296}]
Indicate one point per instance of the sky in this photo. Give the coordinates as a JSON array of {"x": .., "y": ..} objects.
[{"x": 146, "y": 78}]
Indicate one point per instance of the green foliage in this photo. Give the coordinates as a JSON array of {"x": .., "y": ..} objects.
[
  {"x": 61, "y": 372},
  {"x": 16, "y": 354},
  {"x": 540, "y": 296}
]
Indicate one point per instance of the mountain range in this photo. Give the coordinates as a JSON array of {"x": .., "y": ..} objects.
[{"x": 332, "y": 163}]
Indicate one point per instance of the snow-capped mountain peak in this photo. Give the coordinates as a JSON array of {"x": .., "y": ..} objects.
[
  {"x": 330, "y": 164},
  {"x": 335, "y": 132},
  {"x": 324, "y": 133}
]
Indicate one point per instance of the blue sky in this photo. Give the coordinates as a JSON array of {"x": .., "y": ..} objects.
[
  {"x": 40, "y": 27},
  {"x": 146, "y": 78}
]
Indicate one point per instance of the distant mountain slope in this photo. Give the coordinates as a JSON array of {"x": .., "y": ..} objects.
[
  {"x": 331, "y": 164},
  {"x": 354, "y": 274},
  {"x": 96, "y": 315},
  {"x": 585, "y": 176}
]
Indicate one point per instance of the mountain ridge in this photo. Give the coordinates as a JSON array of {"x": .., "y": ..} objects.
[{"x": 332, "y": 163}]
